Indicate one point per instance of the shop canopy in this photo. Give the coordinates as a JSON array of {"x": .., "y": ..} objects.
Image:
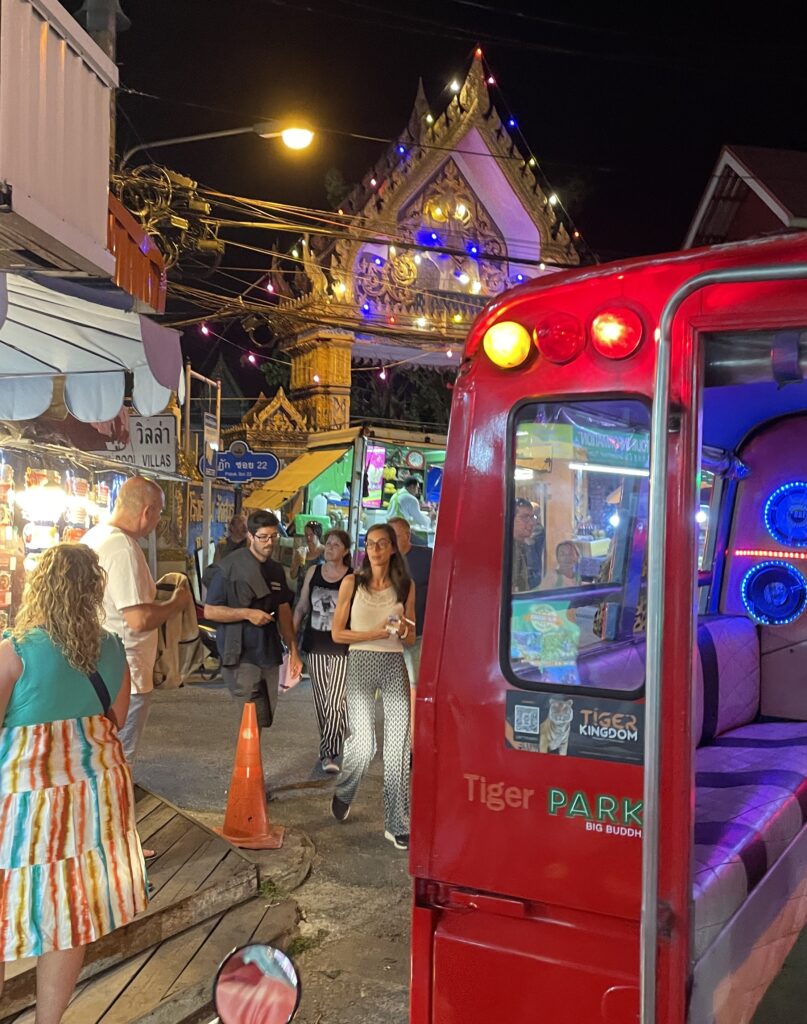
[
  {"x": 45, "y": 333},
  {"x": 324, "y": 450},
  {"x": 297, "y": 474}
]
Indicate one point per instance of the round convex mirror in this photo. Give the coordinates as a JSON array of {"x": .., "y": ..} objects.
[{"x": 256, "y": 984}]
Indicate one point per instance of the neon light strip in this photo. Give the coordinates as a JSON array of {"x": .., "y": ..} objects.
[
  {"x": 759, "y": 553},
  {"x": 592, "y": 467}
]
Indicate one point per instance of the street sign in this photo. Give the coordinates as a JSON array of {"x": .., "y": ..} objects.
[
  {"x": 240, "y": 465},
  {"x": 211, "y": 439}
]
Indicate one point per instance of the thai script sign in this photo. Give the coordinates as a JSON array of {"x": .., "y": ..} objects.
[
  {"x": 152, "y": 444},
  {"x": 239, "y": 464}
]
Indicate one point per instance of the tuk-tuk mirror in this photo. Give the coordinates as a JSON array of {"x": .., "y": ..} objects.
[{"x": 256, "y": 984}]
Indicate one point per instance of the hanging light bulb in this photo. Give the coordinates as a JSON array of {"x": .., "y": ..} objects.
[
  {"x": 553, "y": 200},
  {"x": 373, "y": 182},
  {"x": 204, "y": 329},
  {"x": 421, "y": 322},
  {"x": 478, "y": 52},
  {"x": 270, "y": 287},
  {"x": 393, "y": 251},
  {"x": 340, "y": 288},
  {"x": 315, "y": 378},
  {"x": 476, "y": 287},
  {"x": 418, "y": 258},
  {"x": 491, "y": 80},
  {"x": 450, "y": 353},
  {"x": 511, "y": 123},
  {"x": 532, "y": 161},
  {"x": 457, "y": 318},
  {"x": 251, "y": 358},
  {"x": 295, "y": 253},
  {"x": 429, "y": 119},
  {"x": 464, "y": 278},
  {"x": 454, "y": 85},
  {"x": 460, "y": 211},
  {"x": 542, "y": 266},
  {"x": 383, "y": 374}
]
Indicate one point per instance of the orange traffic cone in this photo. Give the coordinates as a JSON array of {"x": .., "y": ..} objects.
[{"x": 246, "y": 822}]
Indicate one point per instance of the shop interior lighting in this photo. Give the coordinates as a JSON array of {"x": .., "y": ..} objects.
[
  {"x": 594, "y": 467},
  {"x": 521, "y": 473}
]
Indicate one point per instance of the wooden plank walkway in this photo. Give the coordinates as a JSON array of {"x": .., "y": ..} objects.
[{"x": 205, "y": 902}]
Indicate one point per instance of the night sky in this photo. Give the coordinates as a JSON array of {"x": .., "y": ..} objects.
[{"x": 626, "y": 112}]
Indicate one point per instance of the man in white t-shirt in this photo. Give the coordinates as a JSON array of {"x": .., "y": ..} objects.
[{"x": 129, "y": 599}]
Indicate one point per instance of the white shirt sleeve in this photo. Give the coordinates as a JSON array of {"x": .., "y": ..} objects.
[{"x": 410, "y": 509}]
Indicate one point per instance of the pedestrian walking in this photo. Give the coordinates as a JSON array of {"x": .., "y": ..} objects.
[
  {"x": 251, "y": 602},
  {"x": 327, "y": 660},
  {"x": 418, "y": 558},
  {"x": 306, "y": 555},
  {"x": 71, "y": 867},
  {"x": 130, "y": 596},
  {"x": 375, "y": 616}
]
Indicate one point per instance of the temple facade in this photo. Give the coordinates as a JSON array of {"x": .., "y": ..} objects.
[{"x": 452, "y": 215}]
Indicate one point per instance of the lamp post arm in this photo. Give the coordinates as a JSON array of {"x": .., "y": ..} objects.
[{"x": 180, "y": 139}]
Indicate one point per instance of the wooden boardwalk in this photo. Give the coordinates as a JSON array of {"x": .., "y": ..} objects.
[{"x": 159, "y": 969}]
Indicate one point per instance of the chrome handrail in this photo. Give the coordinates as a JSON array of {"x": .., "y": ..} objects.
[{"x": 655, "y": 605}]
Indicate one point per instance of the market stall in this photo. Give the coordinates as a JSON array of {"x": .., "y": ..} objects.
[{"x": 347, "y": 479}]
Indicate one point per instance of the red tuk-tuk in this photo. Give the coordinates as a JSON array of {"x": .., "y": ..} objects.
[{"x": 610, "y": 768}]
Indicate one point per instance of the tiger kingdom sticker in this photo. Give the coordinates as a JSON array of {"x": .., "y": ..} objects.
[{"x": 574, "y": 726}]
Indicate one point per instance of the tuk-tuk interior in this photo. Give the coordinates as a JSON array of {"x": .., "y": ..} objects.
[{"x": 578, "y": 581}]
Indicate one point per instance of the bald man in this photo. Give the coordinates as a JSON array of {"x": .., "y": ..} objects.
[{"x": 129, "y": 600}]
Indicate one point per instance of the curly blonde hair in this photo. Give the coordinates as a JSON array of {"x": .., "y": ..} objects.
[{"x": 63, "y": 596}]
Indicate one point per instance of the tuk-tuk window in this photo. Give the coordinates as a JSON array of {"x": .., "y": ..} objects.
[{"x": 578, "y": 514}]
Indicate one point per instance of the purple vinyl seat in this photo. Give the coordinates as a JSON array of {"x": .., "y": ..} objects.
[{"x": 750, "y": 777}]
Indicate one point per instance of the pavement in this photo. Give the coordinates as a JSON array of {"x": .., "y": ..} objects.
[{"x": 351, "y": 884}]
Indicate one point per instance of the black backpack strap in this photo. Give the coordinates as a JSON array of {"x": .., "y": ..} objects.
[{"x": 101, "y": 690}]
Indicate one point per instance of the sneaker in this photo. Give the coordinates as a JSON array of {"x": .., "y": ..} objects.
[
  {"x": 399, "y": 842},
  {"x": 339, "y": 808},
  {"x": 330, "y": 766}
]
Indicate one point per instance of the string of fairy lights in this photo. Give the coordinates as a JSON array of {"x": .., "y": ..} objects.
[{"x": 271, "y": 295}]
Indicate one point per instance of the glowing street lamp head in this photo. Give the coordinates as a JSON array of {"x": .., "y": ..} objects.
[{"x": 297, "y": 138}]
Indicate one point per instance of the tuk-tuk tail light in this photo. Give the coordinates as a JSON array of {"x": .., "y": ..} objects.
[
  {"x": 560, "y": 337},
  {"x": 617, "y": 333},
  {"x": 507, "y": 344}
]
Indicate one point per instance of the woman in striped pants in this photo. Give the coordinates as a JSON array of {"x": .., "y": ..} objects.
[
  {"x": 376, "y": 616},
  {"x": 327, "y": 660}
]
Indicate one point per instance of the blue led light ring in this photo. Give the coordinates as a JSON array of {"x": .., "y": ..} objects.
[
  {"x": 774, "y": 593},
  {"x": 785, "y": 514}
]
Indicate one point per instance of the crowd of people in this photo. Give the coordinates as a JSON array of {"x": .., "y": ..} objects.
[
  {"x": 355, "y": 633},
  {"x": 76, "y": 683}
]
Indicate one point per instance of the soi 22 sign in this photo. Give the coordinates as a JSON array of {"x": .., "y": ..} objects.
[{"x": 239, "y": 464}]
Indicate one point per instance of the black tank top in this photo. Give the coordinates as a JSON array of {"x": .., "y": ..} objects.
[{"x": 322, "y": 597}]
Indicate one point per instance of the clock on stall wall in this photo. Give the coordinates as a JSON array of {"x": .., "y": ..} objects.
[{"x": 415, "y": 460}]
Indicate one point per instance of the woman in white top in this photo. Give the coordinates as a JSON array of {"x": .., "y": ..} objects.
[{"x": 375, "y": 614}]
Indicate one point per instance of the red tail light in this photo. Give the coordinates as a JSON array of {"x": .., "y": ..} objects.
[
  {"x": 560, "y": 337},
  {"x": 616, "y": 333}
]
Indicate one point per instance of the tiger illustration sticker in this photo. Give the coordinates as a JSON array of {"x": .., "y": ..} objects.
[{"x": 574, "y": 726}]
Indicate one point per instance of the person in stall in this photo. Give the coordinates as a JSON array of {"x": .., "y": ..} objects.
[
  {"x": 525, "y": 577},
  {"x": 406, "y": 503}
]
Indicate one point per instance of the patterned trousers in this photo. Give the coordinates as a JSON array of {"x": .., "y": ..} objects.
[
  {"x": 368, "y": 671},
  {"x": 328, "y": 678}
]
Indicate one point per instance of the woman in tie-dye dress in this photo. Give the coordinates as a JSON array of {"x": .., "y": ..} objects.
[{"x": 71, "y": 867}]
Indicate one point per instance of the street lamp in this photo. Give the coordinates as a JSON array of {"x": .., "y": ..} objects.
[{"x": 293, "y": 137}]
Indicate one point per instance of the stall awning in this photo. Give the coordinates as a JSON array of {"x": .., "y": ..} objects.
[
  {"x": 297, "y": 474},
  {"x": 44, "y": 333}
]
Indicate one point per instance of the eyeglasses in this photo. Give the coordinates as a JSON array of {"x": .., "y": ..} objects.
[
  {"x": 526, "y": 515},
  {"x": 265, "y": 538},
  {"x": 376, "y": 545}
]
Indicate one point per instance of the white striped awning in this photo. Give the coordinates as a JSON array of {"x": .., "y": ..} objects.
[{"x": 45, "y": 333}]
